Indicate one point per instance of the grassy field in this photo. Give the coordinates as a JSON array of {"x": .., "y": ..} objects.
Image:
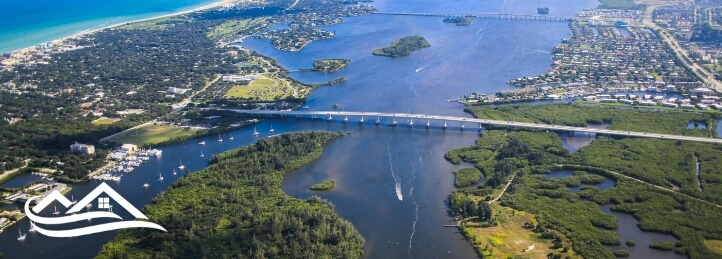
[
  {"x": 232, "y": 27},
  {"x": 510, "y": 239},
  {"x": 260, "y": 89},
  {"x": 154, "y": 24},
  {"x": 104, "y": 120},
  {"x": 618, "y": 4},
  {"x": 714, "y": 245},
  {"x": 152, "y": 134}
]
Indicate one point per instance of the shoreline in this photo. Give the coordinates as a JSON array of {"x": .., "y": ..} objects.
[{"x": 217, "y": 3}]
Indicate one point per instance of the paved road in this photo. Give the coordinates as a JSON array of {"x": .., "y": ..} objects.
[
  {"x": 437, "y": 120},
  {"x": 699, "y": 71}
]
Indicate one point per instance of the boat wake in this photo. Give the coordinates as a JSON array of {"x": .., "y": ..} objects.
[
  {"x": 396, "y": 179},
  {"x": 413, "y": 200}
]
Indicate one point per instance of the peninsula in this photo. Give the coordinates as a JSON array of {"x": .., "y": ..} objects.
[{"x": 403, "y": 47}]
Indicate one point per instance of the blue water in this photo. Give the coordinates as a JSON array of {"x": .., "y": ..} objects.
[{"x": 29, "y": 23}]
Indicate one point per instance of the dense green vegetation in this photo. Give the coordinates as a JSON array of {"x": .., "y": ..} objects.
[
  {"x": 705, "y": 32},
  {"x": 403, "y": 47},
  {"x": 460, "y": 21},
  {"x": 330, "y": 65},
  {"x": 528, "y": 155},
  {"x": 581, "y": 115},
  {"x": 467, "y": 177},
  {"x": 236, "y": 208},
  {"x": 663, "y": 245},
  {"x": 631, "y": 242},
  {"x": 621, "y": 253},
  {"x": 323, "y": 186},
  {"x": 542, "y": 10}
]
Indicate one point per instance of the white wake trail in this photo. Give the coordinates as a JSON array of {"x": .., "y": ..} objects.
[
  {"x": 416, "y": 205},
  {"x": 396, "y": 179}
]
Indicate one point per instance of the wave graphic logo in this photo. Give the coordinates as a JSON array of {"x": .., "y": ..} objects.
[{"x": 74, "y": 215}]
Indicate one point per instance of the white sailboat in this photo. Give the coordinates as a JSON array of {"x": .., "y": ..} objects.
[
  {"x": 202, "y": 153},
  {"x": 72, "y": 199},
  {"x": 21, "y": 237},
  {"x": 181, "y": 167},
  {"x": 219, "y": 138},
  {"x": 255, "y": 132},
  {"x": 145, "y": 185},
  {"x": 272, "y": 130},
  {"x": 32, "y": 228},
  {"x": 174, "y": 172},
  {"x": 160, "y": 177},
  {"x": 231, "y": 138},
  {"x": 56, "y": 211},
  {"x": 202, "y": 143}
]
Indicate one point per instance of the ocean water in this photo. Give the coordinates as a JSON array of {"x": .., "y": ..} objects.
[{"x": 29, "y": 23}]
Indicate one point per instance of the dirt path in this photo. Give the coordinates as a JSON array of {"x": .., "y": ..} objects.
[{"x": 504, "y": 190}]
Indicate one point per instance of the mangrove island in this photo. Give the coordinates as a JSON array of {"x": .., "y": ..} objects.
[{"x": 403, "y": 47}]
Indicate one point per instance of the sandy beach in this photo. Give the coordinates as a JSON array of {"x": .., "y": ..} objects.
[{"x": 87, "y": 32}]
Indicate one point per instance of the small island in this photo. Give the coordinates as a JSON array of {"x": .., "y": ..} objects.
[
  {"x": 403, "y": 47},
  {"x": 323, "y": 186},
  {"x": 328, "y": 65},
  {"x": 459, "y": 21},
  {"x": 542, "y": 10}
]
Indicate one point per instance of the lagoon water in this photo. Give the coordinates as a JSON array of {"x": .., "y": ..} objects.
[
  {"x": 391, "y": 182},
  {"x": 28, "y": 23}
]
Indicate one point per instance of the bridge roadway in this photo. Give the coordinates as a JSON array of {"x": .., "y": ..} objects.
[
  {"x": 427, "y": 120},
  {"x": 501, "y": 16}
]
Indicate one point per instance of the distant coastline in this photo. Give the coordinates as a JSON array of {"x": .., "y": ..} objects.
[{"x": 217, "y": 3}]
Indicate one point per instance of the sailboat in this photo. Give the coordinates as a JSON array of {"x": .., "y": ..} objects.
[
  {"x": 160, "y": 177},
  {"x": 231, "y": 138},
  {"x": 202, "y": 143},
  {"x": 255, "y": 133},
  {"x": 56, "y": 211},
  {"x": 72, "y": 199},
  {"x": 21, "y": 237},
  {"x": 181, "y": 167},
  {"x": 272, "y": 130},
  {"x": 202, "y": 153},
  {"x": 32, "y": 228},
  {"x": 219, "y": 138},
  {"x": 145, "y": 185},
  {"x": 174, "y": 172}
]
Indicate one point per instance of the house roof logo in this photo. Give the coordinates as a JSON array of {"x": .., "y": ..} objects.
[{"x": 75, "y": 215}]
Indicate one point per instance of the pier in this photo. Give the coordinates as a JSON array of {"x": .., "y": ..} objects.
[
  {"x": 497, "y": 16},
  {"x": 431, "y": 119}
]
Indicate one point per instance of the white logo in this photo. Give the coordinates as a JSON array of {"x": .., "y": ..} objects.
[{"x": 103, "y": 203}]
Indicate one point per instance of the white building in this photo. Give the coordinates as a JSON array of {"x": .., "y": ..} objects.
[{"x": 176, "y": 90}]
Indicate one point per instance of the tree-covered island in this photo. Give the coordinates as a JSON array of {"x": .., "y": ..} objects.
[
  {"x": 323, "y": 186},
  {"x": 328, "y": 65},
  {"x": 460, "y": 21},
  {"x": 403, "y": 47},
  {"x": 542, "y": 10}
]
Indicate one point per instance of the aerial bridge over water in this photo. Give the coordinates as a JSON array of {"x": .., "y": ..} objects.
[
  {"x": 498, "y": 16},
  {"x": 426, "y": 120}
]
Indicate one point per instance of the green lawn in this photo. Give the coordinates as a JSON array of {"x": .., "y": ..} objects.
[
  {"x": 232, "y": 27},
  {"x": 152, "y": 134},
  {"x": 260, "y": 89},
  {"x": 104, "y": 120},
  {"x": 618, "y": 4}
]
